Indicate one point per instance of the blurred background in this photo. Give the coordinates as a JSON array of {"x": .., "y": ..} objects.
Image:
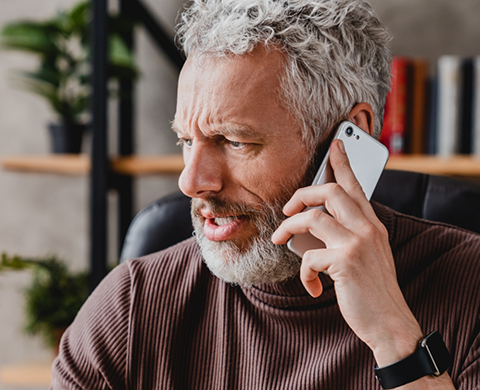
[{"x": 45, "y": 214}]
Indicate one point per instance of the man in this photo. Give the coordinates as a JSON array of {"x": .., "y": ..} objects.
[{"x": 264, "y": 85}]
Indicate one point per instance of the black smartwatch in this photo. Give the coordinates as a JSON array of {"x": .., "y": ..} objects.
[{"x": 430, "y": 358}]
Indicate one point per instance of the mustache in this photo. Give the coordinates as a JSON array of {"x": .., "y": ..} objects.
[{"x": 225, "y": 207}]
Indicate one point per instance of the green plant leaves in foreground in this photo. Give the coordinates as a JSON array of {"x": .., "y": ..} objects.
[
  {"x": 62, "y": 45},
  {"x": 53, "y": 298}
]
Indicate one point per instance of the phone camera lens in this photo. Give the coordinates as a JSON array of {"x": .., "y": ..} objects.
[{"x": 349, "y": 131}]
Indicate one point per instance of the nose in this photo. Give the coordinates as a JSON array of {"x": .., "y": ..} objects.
[{"x": 202, "y": 175}]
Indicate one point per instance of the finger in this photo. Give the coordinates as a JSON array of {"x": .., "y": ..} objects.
[
  {"x": 312, "y": 283},
  {"x": 343, "y": 171},
  {"x": 336, "y": 201},
  {"x": 310, "y": 268},
  {"x": 318, "y": 223},
  {"x": 315, "y": 196},
  {"x": 346, "y": 178}
]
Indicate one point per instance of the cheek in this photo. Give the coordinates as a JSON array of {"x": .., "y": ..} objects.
[{"x": 275, "y": 180}]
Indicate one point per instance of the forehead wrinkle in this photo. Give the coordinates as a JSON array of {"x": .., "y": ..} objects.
[{"x": 226, "y": 130}]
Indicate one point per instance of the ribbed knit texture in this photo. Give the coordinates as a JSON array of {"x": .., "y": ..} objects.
[{"x": 164, "y": 322}]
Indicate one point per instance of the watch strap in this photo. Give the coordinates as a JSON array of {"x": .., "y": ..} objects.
[{"x": 430, "y": 358}]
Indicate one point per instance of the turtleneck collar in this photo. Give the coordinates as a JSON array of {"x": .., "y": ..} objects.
[{"x": 290, "y": 295}]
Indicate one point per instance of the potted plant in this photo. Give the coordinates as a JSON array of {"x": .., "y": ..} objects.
[
  {"x": 62, "y": 45},
  {"x": 53, "y": 298}
]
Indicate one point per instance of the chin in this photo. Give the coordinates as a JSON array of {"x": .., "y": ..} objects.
[{"x": 256, "y": 263}]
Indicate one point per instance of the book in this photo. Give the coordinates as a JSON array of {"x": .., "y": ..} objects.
[
  {"x": 466, "y": 105},
  {"x": 417, "y": 106},
  {"x": 395, "y": 120},
  {"x": 448, "y": 105},
  {"x": 476, "y": 107},
  {"x": 432, "y": 116}
]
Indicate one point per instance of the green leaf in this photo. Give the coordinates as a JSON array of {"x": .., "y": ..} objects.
[
  {"x": 13, "y": 263},
  {"x": 54, "y": 297},
  {"x": 79, "y": 16},
  {"x": 121, "y": 59},
  {"x": 30, "y": 36},
  {"x": 45, "y": 75},
  {"x": 80, "y": 105},
  {"x": 50, "y": 93},
  {"x": 63, "y": 46},
  {"x": 119, "y": 52}
]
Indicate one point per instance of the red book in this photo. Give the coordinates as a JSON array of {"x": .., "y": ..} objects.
[{"x": 395, "y": 118}]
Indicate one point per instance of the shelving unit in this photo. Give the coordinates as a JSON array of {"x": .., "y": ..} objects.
[
  {"x": 110, "y": 173},
  {"x": 102, "y": 177},
  {"x": 462, "y": 166}
]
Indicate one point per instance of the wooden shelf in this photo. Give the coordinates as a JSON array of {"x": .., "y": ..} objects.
[
  {"x": 30, "y": 374},
  {"x": 81, "y": 164},
  {"x": 61, "y": 163},
  {"x": 466, "y": 166},
  {"x": 144, "y": 165},
  {"x": 173, "y": 164}
]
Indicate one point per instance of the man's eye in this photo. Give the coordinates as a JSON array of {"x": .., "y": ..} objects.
[
  {"x": 184, "y": 142},
  {"x": 237, "y": 145}
]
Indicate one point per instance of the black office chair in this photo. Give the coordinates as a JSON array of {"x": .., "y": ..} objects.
[{"x": 436, "y": 198}]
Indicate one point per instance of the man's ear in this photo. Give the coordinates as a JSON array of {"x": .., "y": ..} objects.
[{"x": 362, "y": 116}]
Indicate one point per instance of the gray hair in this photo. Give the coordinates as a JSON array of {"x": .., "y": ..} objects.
[{"x": 337, "y": 52}]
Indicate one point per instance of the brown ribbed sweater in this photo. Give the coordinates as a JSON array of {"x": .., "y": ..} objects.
[{"x": 164, "y": 322}]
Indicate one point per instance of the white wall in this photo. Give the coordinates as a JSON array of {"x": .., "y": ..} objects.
[
  {"x": 42, "y": 214},
  {"x": 430, "y": 28}
]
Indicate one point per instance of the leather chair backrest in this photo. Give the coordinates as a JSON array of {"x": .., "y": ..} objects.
[
  {"x": 161, "y": 224},
  {"x": 436, "y": 198}
]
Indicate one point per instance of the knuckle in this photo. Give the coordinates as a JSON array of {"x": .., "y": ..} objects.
[
  {"x": 373, "y": 232},
  {"x": 355, "y": 186},
  {"x": 353, "y": 260},
  {"x": 308, "y": 261},
  {"x": 370, "y": 230},
  {"x": 383, "y": 231},
  {"x": 335, "y": 189},
  {"x": 344, "y": 163},
  {"x": 351, "y": 255},
  {"x": 298, "y": 192},
  {"x": 314, "y": 215}
]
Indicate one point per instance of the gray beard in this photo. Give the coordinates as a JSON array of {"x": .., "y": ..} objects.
[{"x": 257, "y": 262}]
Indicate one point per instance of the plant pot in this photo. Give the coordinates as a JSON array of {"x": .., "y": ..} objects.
[{"x": 67, "y": 137}]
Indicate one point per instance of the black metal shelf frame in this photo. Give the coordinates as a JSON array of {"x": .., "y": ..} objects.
[{"x": 102, "y": 180}]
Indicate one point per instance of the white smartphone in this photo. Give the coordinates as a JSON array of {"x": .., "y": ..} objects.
[{"x": 367, "y": 158}]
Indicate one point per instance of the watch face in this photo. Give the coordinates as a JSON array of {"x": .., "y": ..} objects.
[{"x": 439, "y": 355}]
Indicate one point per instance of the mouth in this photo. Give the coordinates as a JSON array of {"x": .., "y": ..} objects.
[
  {"x": 222, "y": 221},
  {"x": 222, "y": 228}
]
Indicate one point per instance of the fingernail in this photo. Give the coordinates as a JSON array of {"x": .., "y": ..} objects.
[{"x": 341, "y": 146}]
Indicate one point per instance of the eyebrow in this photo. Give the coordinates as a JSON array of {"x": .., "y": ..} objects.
[
  {"x": 230, "y": 129},
  {"x": 175, "y": 128}
]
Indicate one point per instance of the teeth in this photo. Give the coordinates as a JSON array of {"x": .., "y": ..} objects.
[{"x": 223, "y": 221}]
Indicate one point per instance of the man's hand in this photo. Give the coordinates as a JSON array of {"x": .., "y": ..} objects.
[{"x": 357, "y": 257}]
